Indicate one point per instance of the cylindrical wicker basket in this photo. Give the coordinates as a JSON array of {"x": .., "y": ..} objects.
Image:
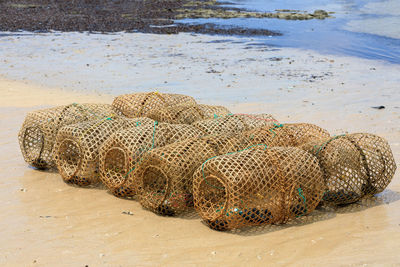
[
  {"x": 354, "y": 165},
  {"x": 256, "y": 186},
  {"x": 141, "y": 104},
  {"x": 39, "y": 130},
  {"x": 124, "y": 150},
  {"x": 76, "y": 151}
]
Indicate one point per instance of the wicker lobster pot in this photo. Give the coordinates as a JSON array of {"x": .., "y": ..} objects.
[
  {"x": 291, "y": 134},
  {"x": 125, "y": 148},
  {"x": 256, "y": 186},
  {"x": 185, "y": 113},
  {"x": 211, "y": 112},
  {"x": 234, "y": 123},
  {"x": 354, "y": 165},
  {"x": 141, "y": 104},
  {"x": 164, "y": 176},
  {"x": 76, "y": 151},
  {"x": 39, "y": 130}
]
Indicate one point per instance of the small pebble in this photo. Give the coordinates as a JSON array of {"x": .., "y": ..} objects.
[{"x": 127, "y": 213}]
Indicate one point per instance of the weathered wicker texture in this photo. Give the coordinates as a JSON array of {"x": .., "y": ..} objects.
[
  {"x": 185, "y": 113},
  {"x": 140, "y": 104},
  {"x": 39, "y": 130},
  {"x": 164, "y": 176},
  {"x": 235, "y": 123},
  {"x": 354, "y": 166},
  {"x": 77, "y": 147},
  {"x": 291, "y": 134},
  {"x": 125, "y": 148},
  {"x": 211, "y": 112},
  {"x": 257, "y": 186}
]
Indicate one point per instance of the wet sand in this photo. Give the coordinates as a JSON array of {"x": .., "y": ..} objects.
[
  {"x": 46, "y": 222},
  {"x": 387, "y": 23}
]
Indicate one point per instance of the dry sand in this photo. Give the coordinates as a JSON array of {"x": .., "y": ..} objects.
[{"x": 46, "y": 222}]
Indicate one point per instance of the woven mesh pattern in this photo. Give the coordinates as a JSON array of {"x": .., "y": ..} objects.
[
  {"x": 39, "y": 130},
  {"x": 354, "y": 165},
  {"x": 291, "y": 134},
  {"x": 140, "y": 104},
  {"x": 185, "y": 113},
  {"x": 164, "y": 176},
  {"x": 211, "y": 112},
  {"x": 236, "y": 123},
  {"x": 257, "y": 186},
  {"x": 77, "y": 147},
  {"x": 125, "y": 148}
]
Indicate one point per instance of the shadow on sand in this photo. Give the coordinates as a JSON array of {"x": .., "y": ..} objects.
[{"x": 323, "y": 212}]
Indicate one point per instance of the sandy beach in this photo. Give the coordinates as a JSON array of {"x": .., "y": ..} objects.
[{"x": 46, "y": 222}]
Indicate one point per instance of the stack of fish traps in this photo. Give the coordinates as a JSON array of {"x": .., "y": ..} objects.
[
  {"x": 39, "y": 130},
  {"x": 174, "y": 155}
]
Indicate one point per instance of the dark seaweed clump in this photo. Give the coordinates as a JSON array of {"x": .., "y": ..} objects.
[{"x": 150, "y": 16}]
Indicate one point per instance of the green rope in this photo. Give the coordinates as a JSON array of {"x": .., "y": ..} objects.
[
  {"x": 276, "y": 127},
  {"x": 154, "y": 133},
  {"x": 202, "y": 166},
  {"x": 152, "y": 146},
  {"x": 326, "y": 143},
  {"x": 304, "y": 199}
]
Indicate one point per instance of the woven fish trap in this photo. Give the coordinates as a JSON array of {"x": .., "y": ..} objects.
[
  {"x": 124, "y": 149},
  {"x": 76, "y": 151},
  {"x": 291, "y": 134},
  {"x": 258, "y": 185},
  {"x": 354, "y": 165},
  {"x": 140, "y": 104},
  {"x": 234, "y": 123},
  {"x": 211, "y": 112},
  {"x": 186, "y": 113},
  {"x": 164, "y": 176},
  {"x": 39, "y": 130}
]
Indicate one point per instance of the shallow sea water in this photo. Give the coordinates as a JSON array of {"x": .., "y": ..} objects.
[{"x": 331, "y": 36}]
